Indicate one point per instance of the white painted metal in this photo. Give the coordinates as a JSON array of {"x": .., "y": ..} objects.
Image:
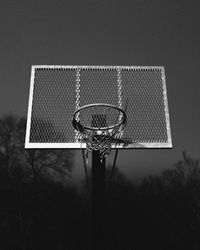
[
  {"x": 78, "y": 145},
  {"x": 28, "y": 125}
]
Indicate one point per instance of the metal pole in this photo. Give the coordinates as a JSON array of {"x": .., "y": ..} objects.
[{"x": 98, "y": 199}]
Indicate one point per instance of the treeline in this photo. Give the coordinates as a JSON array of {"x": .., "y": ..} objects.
[
  {"x": 163, "y": 212},
  {"x": 40, "y": 209}
]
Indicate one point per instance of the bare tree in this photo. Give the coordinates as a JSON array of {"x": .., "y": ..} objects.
[{"x": 19, "y": 168}]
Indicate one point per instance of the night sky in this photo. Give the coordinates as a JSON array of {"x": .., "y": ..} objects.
[{"x": 108, "y": 32}]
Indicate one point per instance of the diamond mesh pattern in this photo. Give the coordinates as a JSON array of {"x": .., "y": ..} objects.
[
  {"x": 146, "y": 112},
  {"x": 58, "y": 90},
  {"x": 53, "y": 106},
  {"x": 99, "y": 86}
]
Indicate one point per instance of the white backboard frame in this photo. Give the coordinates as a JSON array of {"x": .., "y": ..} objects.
[{"x": 77, "y": 145}]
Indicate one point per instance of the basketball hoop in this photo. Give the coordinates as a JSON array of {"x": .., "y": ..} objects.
[{"x": 99, "y": 125}]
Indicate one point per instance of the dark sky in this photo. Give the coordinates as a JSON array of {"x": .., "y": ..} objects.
[{"x": 108, "y": 32}]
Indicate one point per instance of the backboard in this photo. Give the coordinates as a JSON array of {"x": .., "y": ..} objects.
[{"x": 57, "y": 91}]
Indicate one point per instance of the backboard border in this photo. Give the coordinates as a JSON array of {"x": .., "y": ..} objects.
[
  {"x": 28, "y": 123},
  {"x": 166, "y": 107},
  {"x": 77, "y": 145},
  {"x": 95, "y": 67}
]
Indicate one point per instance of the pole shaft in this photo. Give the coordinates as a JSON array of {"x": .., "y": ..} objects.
[{"x": 98, "y": 198}]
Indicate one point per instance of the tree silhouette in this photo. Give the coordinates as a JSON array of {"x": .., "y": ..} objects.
[
  {"x": 172, "y": 218},
  {"x": 38, "y": 212},
  {"x": 20, "y": 170},
  {"x": 160, "y": 213}
]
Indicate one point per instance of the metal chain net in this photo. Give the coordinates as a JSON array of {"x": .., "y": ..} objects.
[
  {"x": 100, "y": 140},
  {"x": 100, "y": 126}
]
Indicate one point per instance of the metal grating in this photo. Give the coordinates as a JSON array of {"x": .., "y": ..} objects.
[
  {"x": 146, "y": 108},
  {"x": 56, "y": 91}
]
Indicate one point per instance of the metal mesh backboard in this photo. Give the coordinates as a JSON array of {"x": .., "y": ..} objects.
[{"x": 57, "y": 91}]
